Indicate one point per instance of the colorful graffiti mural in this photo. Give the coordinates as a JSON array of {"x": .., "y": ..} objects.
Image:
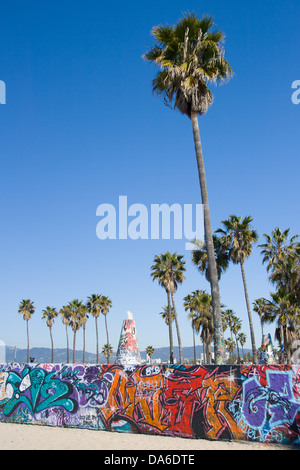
[{"x": 255, "y": 403}]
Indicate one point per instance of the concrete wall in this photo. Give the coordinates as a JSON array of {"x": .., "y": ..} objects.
[{"x": 255, "y": 403}]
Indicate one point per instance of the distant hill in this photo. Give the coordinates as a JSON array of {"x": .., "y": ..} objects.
[{"x": 41, "y": 355}]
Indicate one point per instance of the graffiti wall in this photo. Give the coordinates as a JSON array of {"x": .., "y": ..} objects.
[{"x": 255, "y": 403}]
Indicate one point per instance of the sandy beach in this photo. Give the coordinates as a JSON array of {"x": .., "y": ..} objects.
[{"x": 33, "y": 437}]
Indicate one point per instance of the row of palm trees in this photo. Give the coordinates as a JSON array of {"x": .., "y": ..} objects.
[
  {"x": 233, "y": 243},
  {"x": 198, "y": 304},
  {"x": 74, "y": 315}
]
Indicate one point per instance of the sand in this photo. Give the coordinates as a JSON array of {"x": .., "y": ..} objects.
[{"x": 33, "y": 437}]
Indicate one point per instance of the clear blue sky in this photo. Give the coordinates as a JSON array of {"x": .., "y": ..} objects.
[{"x": 81, "y": 127}]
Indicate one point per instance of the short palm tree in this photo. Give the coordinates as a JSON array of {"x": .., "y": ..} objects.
[
  {"x": 190, "y": 55},
  {"x": 168, "y": 269},
  {"x": 94, "y": 308},
  {"x": 107, "y": 351},
  {"x": 238, "y": 237},
  {"x": 66, "y": 320},
  {"x": 165, "y": 314},
  {"x": 105, "y": 305},
  {"x": 200, "y": 257},
  {"x": 26, "y": 308},
  {"x": 49, "y": 314},
  {"x": 150, "y": 352},
  {"x": 229, "y": 343},
  {"x": 242, "y": 338}
]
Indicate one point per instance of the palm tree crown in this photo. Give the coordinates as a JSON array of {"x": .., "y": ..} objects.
[
  {"x": 190, "y": 55},
  {"x": 168, "y": 269},
  {"x": 238, "y": 237}
]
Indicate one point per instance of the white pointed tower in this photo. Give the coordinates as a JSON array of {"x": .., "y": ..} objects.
[{"x": 128, "y": 349}]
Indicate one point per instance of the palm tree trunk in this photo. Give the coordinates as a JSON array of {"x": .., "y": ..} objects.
[
  {"x": 107, "y": 339},
  {"x": 282, "y": 347},
  {"x": 194, "y": 343},
  {"x": 238, "y": 350},
  {"x": 74, "y": 345},
  {"x": 254, "y": 352},
  {"x": 67, "y": 344},
  {"x": 177, "y": 329},
  {"x": 204, "y": 351},
  {"x": 27, "y": 328},
  {"x": 97, "y": 341},
  {"x": 52, "y": 352},
  {"x": 209, "y": 355},
  {"x": 262, "y": 328},
  {"x": 212, "y": 266},
  {"x": 286, "y": 347},
  {"x": 83, "y": 354},
  {"x": 170, "y": 330}
]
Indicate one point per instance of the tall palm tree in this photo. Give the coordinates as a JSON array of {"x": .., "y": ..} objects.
[
  {"x": 239, "y": 237},
  {"x": 26, "y": 308},
  {"x": 237, "y": 324},
  {"x": 203, "y": 320},
  {"x": 168, "y": 269},
  {"x": 259, "y": 306},
  {"x": 75, "y": 307},
  {"x": 83, "y": 317},
  {"x": 280, "y": 309},
  {"x": 49, "y": 314},
  {"x": 66, "y": 320},
  {"x": 105, "y": 305},
  {"x": 276, "y": 246},
  {"x": 190, "y": 55},
  {"x": 283, "y": 257},
  {"x": 228, "y": 317},
  {"x": 94, "y": 307},
  {"x": 189, "y": 303}
]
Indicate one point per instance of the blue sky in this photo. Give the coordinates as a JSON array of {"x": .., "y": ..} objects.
[{"x": 81, "y": 127}]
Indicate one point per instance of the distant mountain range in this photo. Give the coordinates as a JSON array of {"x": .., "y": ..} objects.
[{"x": 43, "y": 355}]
